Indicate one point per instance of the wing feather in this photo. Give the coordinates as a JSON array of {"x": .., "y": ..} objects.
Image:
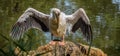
[{"x": 31, "y": 18}]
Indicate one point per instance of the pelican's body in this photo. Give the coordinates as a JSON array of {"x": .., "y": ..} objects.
[
  {"x": 58, "y": 27},
  {"x": 56, "y": 23}
]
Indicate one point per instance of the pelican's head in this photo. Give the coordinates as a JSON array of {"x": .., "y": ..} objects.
[{"x": 55, "y": 13}]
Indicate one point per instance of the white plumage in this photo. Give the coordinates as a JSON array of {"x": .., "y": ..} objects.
[{"x": 57, "y": 23}]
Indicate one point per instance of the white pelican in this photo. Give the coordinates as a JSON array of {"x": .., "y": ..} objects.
[{"x": 56, "y": 23}]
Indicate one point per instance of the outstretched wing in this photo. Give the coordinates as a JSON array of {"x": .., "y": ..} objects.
[
  {"x": 31, "y": 18},
  {"x": 80, "y": 20}
]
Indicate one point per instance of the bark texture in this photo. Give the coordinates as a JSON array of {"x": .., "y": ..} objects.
[{"x": 70, "y": 49}]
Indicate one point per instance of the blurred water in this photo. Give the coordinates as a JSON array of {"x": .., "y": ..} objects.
[{"x": 104, "y": 16}]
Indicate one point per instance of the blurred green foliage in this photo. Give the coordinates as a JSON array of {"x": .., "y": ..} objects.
[{"x": 104, "y": 16}]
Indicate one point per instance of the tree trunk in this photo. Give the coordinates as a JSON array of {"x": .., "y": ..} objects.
[{"x": 69, "y": 49}]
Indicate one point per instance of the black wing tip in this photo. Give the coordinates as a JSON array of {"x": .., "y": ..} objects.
[
  {"x": 15, "y": 31},
  {"x": 89, "y": 33},
  {"x": 14, "y": 37}
]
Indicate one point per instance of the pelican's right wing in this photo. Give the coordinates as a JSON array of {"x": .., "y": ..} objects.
[
  {"x": 79, "y": 20},
  {"x": 31, "y": 18}
]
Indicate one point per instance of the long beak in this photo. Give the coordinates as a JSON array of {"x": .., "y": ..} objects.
[{"x": 54, "y": 15}]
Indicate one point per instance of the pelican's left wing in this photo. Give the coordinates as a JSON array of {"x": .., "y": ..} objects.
[{"x": 79, "y": 19}]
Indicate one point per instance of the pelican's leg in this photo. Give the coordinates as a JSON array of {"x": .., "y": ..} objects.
[
  {"x": 62, "y": 41},
  {"x": 52, "y": 42}
]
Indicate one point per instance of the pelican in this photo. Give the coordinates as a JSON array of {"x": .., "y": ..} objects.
[{"x": 56, "y": 23}]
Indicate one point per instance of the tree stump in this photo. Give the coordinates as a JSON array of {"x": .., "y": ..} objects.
[{"x": 69, "y": 49}]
